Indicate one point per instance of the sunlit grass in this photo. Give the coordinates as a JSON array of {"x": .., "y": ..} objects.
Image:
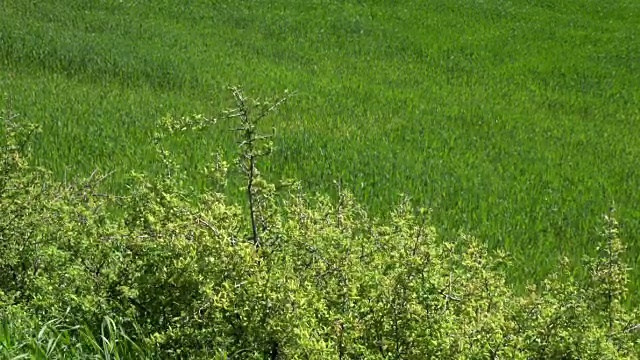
[{"x": 515, "y": 121}]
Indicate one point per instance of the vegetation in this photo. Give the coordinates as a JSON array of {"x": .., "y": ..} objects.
[
  {"x": 284, "y": 276},
  {"x": 515, "y": 121}
]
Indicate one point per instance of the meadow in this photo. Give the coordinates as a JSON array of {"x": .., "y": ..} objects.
[{"x": 515, "y": 121}]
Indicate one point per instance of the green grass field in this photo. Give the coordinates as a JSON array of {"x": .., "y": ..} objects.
[{"x": 516, "y": 121}]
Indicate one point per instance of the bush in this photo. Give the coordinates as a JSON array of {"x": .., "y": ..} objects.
[{"x": 284, "y": 276}]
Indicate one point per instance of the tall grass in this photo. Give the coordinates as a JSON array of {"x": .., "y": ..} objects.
[
  {"x": 55, "y": 340},
  {"x": 515, "y": 121}
]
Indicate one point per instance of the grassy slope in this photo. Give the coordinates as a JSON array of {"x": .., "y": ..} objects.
[{"x": 516, "y": 121}]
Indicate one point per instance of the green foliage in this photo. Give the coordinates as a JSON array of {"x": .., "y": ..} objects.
[
  {"x": 285, "y": 276},
  {"x": 515, "y": 120},
  {"x": 21, "y": 338}
]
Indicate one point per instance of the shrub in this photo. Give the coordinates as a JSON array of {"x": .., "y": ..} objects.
[{"x": 285, "y": 276}]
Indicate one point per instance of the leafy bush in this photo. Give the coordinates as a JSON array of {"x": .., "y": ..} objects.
[{"x": 285, "y": 276}]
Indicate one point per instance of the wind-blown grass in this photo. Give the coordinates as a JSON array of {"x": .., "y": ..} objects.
[{"x": 515, "y": 121}]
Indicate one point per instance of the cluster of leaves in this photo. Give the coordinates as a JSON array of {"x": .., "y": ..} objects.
[{"x": 284, "y": 276}]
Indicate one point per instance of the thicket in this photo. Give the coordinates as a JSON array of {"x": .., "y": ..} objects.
[{"x": 286, "y": 275}]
